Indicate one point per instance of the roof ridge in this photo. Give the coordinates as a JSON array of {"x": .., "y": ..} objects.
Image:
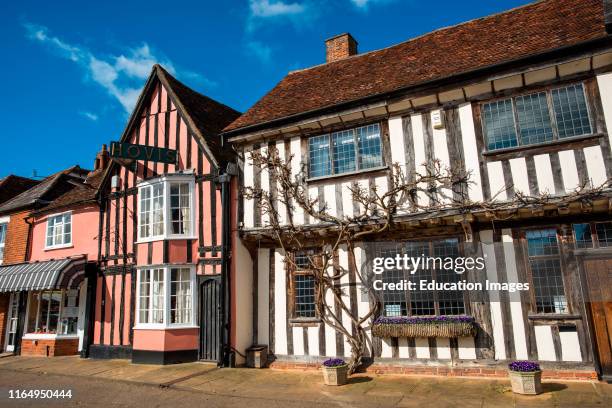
[
  {"x": 533, "y": 3},
  {"x": 167, "y": 73}
]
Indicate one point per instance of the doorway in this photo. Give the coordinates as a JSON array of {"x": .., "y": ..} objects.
[
  {"x": 599, "y": 281},
  {"x": 11, "y": 322},
  {"x": 210, "y": 319}
]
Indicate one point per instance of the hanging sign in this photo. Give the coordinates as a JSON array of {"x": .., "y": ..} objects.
[{"x": 123, "y": 151}]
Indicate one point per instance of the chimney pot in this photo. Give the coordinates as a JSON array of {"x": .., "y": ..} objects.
[
  {"x": 340, "y": 47},
  {"x": 102, "y": 159}
]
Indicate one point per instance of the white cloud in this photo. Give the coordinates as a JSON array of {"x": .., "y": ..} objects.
[
  {"x": 262, "y": 12},
  {"x": 89, "y": 115},
  {"x": 364, "y": 4},
  {"x": 260, "y": 51},
  {"x": 121, "y": 76},
  {"x": 267, "y": 8}
]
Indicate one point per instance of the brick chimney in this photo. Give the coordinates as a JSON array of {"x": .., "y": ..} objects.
[
  {"x": 102, "y": 159},
  {"x": 608, "y": 15},
  {"x": 340, "y": 47}
]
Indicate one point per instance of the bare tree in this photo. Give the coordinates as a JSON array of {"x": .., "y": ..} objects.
[{"x": 436, "y": 191}]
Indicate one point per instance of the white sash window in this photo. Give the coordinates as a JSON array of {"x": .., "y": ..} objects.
[{"x": 59, "y": 230}]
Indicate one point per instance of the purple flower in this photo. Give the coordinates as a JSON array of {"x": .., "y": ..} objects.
[
  {"x": 334, "y": 362},
  {"x": 424, "y": 319},
  {"x": 524, "y": 366}
]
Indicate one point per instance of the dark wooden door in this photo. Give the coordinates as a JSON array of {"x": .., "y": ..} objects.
[
  {"x": 599, "y": 280},
  {"x": 210, "y": 319}
]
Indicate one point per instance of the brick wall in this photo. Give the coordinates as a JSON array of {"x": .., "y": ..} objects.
[
  {"x": 49, "y": 347},
  {"x": 16, "y": 242},
  {"x": 4, "y": 304},
  {"x": 445, "y": 371}
]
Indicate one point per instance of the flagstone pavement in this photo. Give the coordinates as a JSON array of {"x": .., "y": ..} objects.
[{"x": 126, "y": 384}]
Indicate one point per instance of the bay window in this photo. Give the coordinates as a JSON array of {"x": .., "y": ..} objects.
[
  {"x": 535, "y": 118},
  {"x": 59, "y": 230},
  {"x": 345, "y": 151},
  {"x": 166, "y": 296},
  {"x": 166, "y": 208}
]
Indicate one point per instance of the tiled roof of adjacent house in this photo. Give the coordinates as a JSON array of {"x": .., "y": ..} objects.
[
  {"x": 485, "y": 42},
  {"x": 81, "y": 192},
  {"x": 208, "y": 116},
  {"x": 38, "y": 195},
  {"x": 12, "y": 185}
]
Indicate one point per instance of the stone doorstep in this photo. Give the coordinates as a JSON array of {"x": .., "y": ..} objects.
[{"x": 466, "y": 372}]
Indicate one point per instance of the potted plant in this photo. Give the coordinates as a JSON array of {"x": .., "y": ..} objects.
[
  {"x": 525, "y": 377},
  {"x": 424, "y": 326},
  {"x": 334, "y": 371}
]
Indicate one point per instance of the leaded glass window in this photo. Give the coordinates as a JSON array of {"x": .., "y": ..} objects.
[
  {"x": 571, "y": 111},
  {"x": 546, "y": 273},
  {"x": 536, "y": 118},
  {"x": 304, "y": 289},
  {"x": 345, "y": 151}
]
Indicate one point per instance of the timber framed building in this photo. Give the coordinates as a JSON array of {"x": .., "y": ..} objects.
[
  {"x": 522, "y": 100},
  {"x": 164, "y": 291}
]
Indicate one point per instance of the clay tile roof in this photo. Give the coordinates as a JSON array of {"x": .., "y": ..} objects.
[
  {"x": 208, "y": 115},
  {"x": 12, "y": 185},
  {"x": 519, "y": 33},
  {"x": 81, "y": 192},
  {"x": 35, "y": 195}
]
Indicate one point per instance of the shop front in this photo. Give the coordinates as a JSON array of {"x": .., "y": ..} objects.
[{"x": 46, "y": 307}]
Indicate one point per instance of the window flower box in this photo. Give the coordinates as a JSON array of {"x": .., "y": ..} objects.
[
  {"x": 525, "y": 377},
  {"x": 334, "y": 371},
  {"x": 424, "y": 326}
]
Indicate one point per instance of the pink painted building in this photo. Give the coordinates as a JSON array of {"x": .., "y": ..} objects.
[
  {"x": 49, "y": 291},
  {"x": 165, "y": 284}
]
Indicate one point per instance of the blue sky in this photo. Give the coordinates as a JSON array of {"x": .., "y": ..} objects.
[{"x": 72, "y": 70}]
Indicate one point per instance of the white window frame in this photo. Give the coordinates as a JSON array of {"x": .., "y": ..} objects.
[
  {"x": 167, "y": 181},
  {"x": 5, "y": 221},
  {"x": 167, "y": 290},
  {"x": 65, "y": 244}
]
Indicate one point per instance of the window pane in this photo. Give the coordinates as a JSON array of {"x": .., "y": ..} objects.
[
  {"x": 144, "y": 298},
  {"x": 582, "y": 236},
  {"x": 571, "y": 111},
  {"x": 319, "y": 157},
  {"x": 542, "y": 242},
  {"x": 157, "y": 210},
  {"x": 604, "y": 233},
  {"x": 302, "y": 261},
  {"x": 180, "y": 211},
  {"x": 2, "y": 240},
  {"x": 543, "y": 252},
  {"x": 344, "y": 151},
  {"x": 304, "y": 296},
  {"x": 534, "y": 119},
  {"x": 144, "y": 205},
  {"x": 421, "y": 301},
  {"x": 370, "y": 151},
  {"x": 180, "y": 295},
  {"x": 394, "y": 301},
  {"x": 548, "y": 283},
  {"x": 499, "y": 124},
  {"x": 449, "y": 302},
  {"x": 157, "y": 301}
]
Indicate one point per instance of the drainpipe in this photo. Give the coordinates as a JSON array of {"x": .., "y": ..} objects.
[{"x": 227, "y": 357}]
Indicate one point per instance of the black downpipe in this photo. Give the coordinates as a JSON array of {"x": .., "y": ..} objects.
[{"x": 226, "y": 355}]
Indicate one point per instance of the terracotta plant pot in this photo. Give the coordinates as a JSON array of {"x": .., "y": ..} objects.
[
  {"x": 526, "y": 383},
  {"x": 335, "y": 375}
]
